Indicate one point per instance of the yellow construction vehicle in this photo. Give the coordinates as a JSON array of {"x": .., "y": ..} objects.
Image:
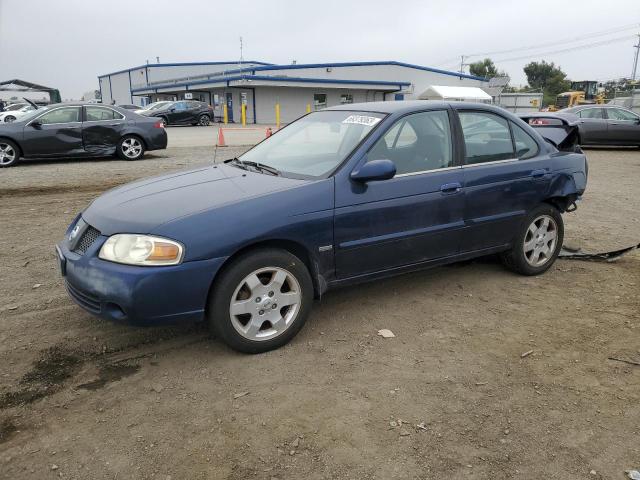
[{"x": 581, "y": 93}]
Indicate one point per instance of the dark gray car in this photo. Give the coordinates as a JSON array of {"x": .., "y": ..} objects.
[
  {"x": 80, "y": 130},
  {"x": 606, "y": 125}
]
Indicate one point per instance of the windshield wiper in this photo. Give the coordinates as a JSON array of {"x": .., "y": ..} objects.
[
  {"x": 238, "y": 163},
  {"x": 262, "y": 167}
]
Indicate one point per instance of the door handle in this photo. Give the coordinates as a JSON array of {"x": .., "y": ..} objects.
[
  {"x": 454, "y": 187},
  {"x": 538, "y": 173}
]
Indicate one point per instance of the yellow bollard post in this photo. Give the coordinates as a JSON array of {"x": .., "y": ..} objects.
[
  {"x": 244, "y": 115},
  {"x": 277, "y": 116},
  {"x": 225, "y": 114},
  {"x": 308, "y": 108}
]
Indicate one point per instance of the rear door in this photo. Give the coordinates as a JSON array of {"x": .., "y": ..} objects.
[
  {"x": 57, "y": 132},
  {"x": 102, "y": 129},
  {"x": 593, "y": 125},
  {"x": 415, "y": 216},
  {"x": 506, "y": 174},
  {"x": 623, "y": 126}
]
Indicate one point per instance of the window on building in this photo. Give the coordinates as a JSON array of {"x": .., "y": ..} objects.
[
  {"x": 61, "y": 115},
  {"x": 486, "y": 137},
  {"x": 417, "y": 143},
  {"x": 319, "y": 101},
  {"x": 526, "y": 146},
  {"x": 96, "y": 114},
  {"x": 346, "y": 98},
  {"x": 619, "y": 114}
]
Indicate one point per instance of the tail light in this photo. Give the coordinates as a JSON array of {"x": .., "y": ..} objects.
[
  {"x": 159, "y": 124},
  {"x": 539, "y": 121}
]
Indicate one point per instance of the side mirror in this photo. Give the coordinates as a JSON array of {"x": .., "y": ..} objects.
[
  {"x": 172, "y": 110},
  {"x": 36, "y": 124},
  {"x": 374, "y": 170}
]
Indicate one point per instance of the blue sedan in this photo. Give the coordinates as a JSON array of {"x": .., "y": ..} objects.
[{"x": 343, "y": 195}]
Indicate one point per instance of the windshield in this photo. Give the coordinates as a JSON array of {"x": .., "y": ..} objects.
[
  {"x": 155, "y": 105},
  {"x": 315, "y": 144}
]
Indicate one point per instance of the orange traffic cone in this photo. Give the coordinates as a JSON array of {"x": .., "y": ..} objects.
[{"x": 221, "y": 138}]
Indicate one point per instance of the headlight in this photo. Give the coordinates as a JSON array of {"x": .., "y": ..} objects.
[{"x": 141, "y": 250}]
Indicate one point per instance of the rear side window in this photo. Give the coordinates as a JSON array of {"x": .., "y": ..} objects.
[
  {"x": 591, "y": 113},
  {"x": 486, "y": 137},
  {"x": 96, "y": 114},
  {"x": 619, "y": 114},
  {"x": 526, "y": 146}
]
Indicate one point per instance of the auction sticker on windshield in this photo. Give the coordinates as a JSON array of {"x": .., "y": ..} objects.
[{"x": 362, "y": 120}]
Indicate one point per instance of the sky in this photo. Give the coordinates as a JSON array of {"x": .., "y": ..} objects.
[{"x": 67, "y": 43}]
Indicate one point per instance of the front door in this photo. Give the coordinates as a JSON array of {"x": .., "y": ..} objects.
[
  {"x": 55, "y": 133},
  {"x": 623, "y": 126},
  {"x": 412, "y": 218},
  {"x": 592, "y": 126},
  {"x": 101, "y": 129},
  {"x": 506, "y": 174},
  {"x": 229, "y": 96}
]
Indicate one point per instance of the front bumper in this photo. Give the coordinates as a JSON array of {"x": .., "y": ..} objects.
[{"x": 137, "y": 295}]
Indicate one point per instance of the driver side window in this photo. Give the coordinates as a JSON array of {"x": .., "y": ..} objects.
[
  {"x": 61, "y": 115},
  {"x": 416, "y": 143}
]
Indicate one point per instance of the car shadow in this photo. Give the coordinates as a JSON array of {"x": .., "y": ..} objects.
[{"x": 73, "y": 160}]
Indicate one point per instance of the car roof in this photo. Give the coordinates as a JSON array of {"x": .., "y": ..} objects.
[
  {"x": 407, "y": 106},
  {"x": 596, "y": 105}
]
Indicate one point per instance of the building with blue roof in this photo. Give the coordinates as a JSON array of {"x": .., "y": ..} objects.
[{"x": 296, "y": 88}]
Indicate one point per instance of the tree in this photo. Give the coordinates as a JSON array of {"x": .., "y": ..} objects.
[
  {"x": 547, "y": 77},
  {"x": 484, "y": 68}
]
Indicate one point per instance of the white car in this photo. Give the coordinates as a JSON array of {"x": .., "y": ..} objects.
[
  {"x": 15, "y": 111},
  {"x": 152, "y": 106}
]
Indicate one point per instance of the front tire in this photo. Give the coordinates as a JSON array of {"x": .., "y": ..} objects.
[
  {"x": 204, "y": 120},
  {"x": 9, "y": 119},
  {"x": 9, "y": 153},
  {"x": 130, "y": 147},
  {"x": 261, "y": 300},
  {"x": 538, "y": 242}
]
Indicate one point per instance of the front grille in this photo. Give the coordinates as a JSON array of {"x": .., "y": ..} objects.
[
  {"x": 86, "y": 240},
  {"x": 85, "y": 300}
]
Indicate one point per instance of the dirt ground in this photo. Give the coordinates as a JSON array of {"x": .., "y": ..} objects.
[{"x": 451, "y": 396}]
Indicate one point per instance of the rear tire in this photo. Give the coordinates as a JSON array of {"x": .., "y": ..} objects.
[
  {"x": 9, "y": 153},
  {"x": 130, "y": 147},
  {"x": 260, "y": 301},
  {"x": 537, "y": 243}
]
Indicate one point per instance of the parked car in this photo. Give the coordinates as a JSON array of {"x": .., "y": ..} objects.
[
  {"x": 183, "y": 112},
  {"x": 343, "y": 195},
  {"x": 15, "y": 111},
  {"x": 604, "y": 124},
  {"x": 130, "y": 107},
  {"x": 79, "y": 130}
]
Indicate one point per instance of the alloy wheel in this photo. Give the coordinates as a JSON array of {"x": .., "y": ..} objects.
[
  {"x": 7, "y": 154},
  {"x": 265, "y": 303},
  {"x": 204, "y": 121},
  {"x": 131, "y": 147},
  {"x": 540, "y": 241}
]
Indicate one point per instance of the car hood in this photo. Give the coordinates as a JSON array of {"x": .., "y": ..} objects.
[{"x": 142, "y": 206}]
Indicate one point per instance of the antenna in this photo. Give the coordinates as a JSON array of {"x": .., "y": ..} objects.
[
  {"x": 241, "y": 59},
  {"x": 635, "y": 59}
]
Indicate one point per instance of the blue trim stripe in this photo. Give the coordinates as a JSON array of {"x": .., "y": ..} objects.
[
  {"x": 269, "y": 66},
  {"x": 277, "y": 79},
  {"x": 359, "y": 64},
  {"x": 188, "y": 64}
]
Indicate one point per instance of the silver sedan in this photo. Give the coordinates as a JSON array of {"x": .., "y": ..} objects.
[{"x": 606, "y": 125}]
